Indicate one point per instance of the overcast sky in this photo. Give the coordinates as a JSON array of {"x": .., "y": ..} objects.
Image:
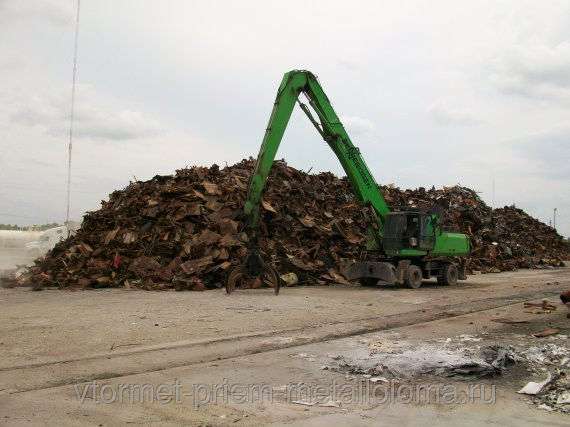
[{"x": 433, "y": 93}]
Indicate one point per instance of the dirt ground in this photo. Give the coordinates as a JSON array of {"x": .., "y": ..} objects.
[{"x": 72, "y": 358}]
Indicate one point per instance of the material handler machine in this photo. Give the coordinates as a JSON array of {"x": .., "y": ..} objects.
[{"x": 410, "y": 243}]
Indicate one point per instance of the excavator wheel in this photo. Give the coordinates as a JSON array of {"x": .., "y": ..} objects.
[
  {"x": 238, "y": 277},
  {"x": 413, "y": 277},
  {"x": 448, "y": 275}
]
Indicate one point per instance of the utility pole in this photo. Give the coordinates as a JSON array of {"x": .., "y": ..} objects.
[
  {"x": 71, "y": 117},
  {"x": 554, "y": 218}
]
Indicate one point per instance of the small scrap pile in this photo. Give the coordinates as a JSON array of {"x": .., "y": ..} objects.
[
  {"x": 185, "y": 231},
  {"x": 393, "y": 360}
]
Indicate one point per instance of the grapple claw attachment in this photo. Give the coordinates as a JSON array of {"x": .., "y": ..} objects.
[{"x": 254, "y": 269}]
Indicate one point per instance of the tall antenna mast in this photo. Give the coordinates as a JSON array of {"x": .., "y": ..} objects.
[
  {"x": 493, "y": 185},
  {"x": 71, "y": 116}
]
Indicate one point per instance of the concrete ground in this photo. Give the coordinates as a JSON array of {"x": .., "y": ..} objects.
[{"x": 64, "y": 354}]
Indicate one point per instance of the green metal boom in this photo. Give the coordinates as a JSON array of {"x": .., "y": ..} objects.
[
  {"x": 331, "y": 129},
  {"x": 363, "y": 183},
  {"x": 412, "y": 243}
]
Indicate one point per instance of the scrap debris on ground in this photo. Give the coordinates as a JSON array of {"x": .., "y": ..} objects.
[
  {"x": 465, "y": 357},
  {"x": 185, "y": 231},
  {"x": 452, "y": 358}
]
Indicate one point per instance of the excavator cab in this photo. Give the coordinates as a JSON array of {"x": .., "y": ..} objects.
[{"x": 409, "y": 229}]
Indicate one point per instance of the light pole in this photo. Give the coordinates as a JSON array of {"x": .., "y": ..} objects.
[{"x": 71, "y": 118}]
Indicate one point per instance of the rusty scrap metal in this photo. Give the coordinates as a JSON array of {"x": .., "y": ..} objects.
[{"x": 185, "y": 231}]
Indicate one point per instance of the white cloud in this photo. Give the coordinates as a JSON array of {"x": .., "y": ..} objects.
[
  {"x": 96, "y": 116},
  {"x": 535, "y": 70},
  {"x": 358, "y": 125},
  {"x": 443, "y": 114},
  {"x": 55, "y": 12},
  {"x": 549, "y": 150}
]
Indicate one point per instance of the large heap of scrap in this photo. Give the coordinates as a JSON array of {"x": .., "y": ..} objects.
[{"x": 185, "y": 231}]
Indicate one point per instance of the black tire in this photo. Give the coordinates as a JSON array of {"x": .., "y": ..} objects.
[
  {"x": 413, "y": 277},
  {"x": 448, "y": 275}
]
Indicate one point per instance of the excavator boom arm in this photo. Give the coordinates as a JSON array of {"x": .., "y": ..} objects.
[{"x": 331, "y": 129}]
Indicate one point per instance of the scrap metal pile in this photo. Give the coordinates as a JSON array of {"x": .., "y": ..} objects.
[{"x": 185, "y": 231}]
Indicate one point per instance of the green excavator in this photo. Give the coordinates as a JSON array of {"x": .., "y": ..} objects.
[{"x": 410, "y": 243}]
